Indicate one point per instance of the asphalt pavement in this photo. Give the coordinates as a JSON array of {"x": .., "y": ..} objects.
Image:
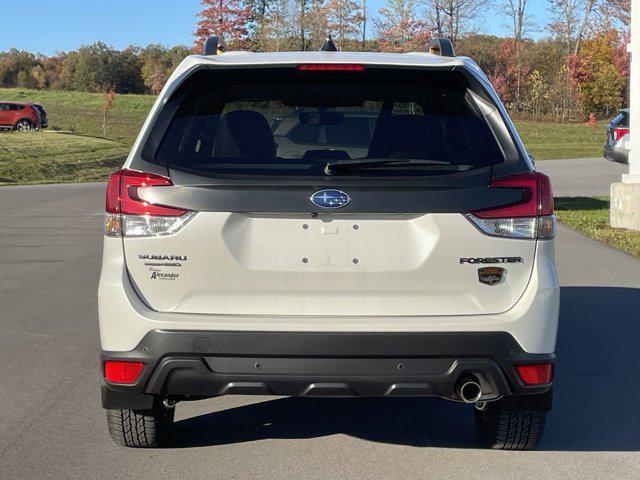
[
  {"x": 52, "y": 424},
  {"x": 582, "y": 176}
]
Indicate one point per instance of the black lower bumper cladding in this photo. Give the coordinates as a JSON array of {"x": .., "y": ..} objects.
[{"x": 192, "y": 364}]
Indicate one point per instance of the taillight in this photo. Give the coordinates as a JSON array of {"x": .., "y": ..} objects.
[
  {"x": 532, "y": 375},
  {"x": 330, "y": 67},
  {"x": 531, "y": 217},
  {"x": 128, "y": 215},
  {"x": 618, "y": 133},
  {"x": 122, "y": 372}
]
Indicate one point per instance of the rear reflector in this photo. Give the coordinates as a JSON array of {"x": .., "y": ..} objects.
[
  {"x": 122, "y": 372},
  {"x": 330, "y": 67},
  {"x": 535, "y": 374}
]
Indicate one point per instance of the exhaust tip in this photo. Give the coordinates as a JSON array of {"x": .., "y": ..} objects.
[{"x": 470, "y": 391}]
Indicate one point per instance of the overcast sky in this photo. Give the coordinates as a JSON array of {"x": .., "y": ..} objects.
[{"x": 62, "y": 25}]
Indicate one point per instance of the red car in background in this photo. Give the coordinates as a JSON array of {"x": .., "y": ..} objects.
[{"x": 22, "y": 117}]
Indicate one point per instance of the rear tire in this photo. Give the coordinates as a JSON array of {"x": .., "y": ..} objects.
[
  {"x": 140, "y": 428},
  {"x": 504, "y": 429},
  {"x": 24, "y": 126}
]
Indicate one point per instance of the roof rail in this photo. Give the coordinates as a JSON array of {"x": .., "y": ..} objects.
[
  {"x": 328, "y": 45},
  {"x": 213, "y": 46},
  {"x": 440, "y": 46}
]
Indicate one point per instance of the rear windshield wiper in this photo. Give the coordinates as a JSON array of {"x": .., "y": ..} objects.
[{"x": 331, "y": 167}]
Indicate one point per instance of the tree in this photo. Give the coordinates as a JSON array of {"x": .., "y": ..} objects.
[
  {"x": 482, "y": 48},
  {"x": 96, "y": 68},
  {"x": 399, "y": 28},
  {"x": 226, "y": 18},
  {"x": 536, "y": 94},
  {"x": 615, "y": 13},
  {"x": 302, "y": 14},
  {"x": 600, "y": 78},
  {"x": 508, "y": 72},
  {"x": 158, "y": 63},
  {"x": 13, "y": 63},
  {"x": 564, "y": 96},
  {"x": 39, "y": 75},
  {"x": 52, "y": 67},
  {"x": 316, "y": 25},
  {"x": 518, "y": 22},
  {"x": 109, "y": 98},
  {"x": 129, "y": 67},
  {"x": 310, "y": 21},
  {"x": 276, "y": 31},
  {"x": 570, "y": 19},
  {"x": 259, "y": 9},
  {"x": 364, "y": 25},
  {"x": 515, "y": 12},
  {"x": 450, "y": 18},
  {"x": 343, "y": 20},
  {"x": 68, "y": 71}
]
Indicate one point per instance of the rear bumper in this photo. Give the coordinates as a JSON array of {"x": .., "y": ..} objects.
[
  {"x": 617, "y": 152},
  {"x": 196, "y": 364}
]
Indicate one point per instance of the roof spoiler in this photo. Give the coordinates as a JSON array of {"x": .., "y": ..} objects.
[
  {"x": 214, "y": 45},
  {"x": 440, "y": 46}
]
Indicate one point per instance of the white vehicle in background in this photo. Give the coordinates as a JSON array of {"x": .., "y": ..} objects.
[{"x": 402, "y": 245}]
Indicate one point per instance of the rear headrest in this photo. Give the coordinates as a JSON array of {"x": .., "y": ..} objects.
[{"x": 246, "y": 134}]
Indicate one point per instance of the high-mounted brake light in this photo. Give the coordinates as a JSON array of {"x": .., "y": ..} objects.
[
  {"x": 531, "y": 217},
  {"x": 618, "y": 133},
  {"x": 532, "y": 375},
  {"x": 122, "y": 372},
  {"x": 330, "y": 67},
  {"x": 129, "y": 215}
]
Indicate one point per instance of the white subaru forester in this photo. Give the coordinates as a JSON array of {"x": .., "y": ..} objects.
[{"x": 329, "y": 224}]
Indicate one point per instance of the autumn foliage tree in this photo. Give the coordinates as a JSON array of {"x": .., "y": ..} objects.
[
  {"x": 399, "y": 27},
  {"x": 227, "y": 18},
  {"x": 600, "y": 74},
  {"x": 344, "y": 20},
  {"x": 109, "y": 99},
  {"x": 509, "y": 74}
]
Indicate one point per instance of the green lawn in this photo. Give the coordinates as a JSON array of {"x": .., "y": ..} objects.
[
  {"x": 49, "y": 157},
  {"x": 590, "y": 215},
  {"x": 547, "y": 141},
  {"x": 80, "y": 112}
]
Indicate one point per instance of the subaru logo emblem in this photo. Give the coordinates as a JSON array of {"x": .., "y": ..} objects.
[{"x": 330, "y": 199}]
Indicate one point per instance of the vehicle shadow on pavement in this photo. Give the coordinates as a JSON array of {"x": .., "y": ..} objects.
[
  {"x": 596, "y": 387},
  {"x": 595, "y": 400}
]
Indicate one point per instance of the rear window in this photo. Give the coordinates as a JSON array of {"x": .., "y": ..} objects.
[{"x": 288, "y": 122}]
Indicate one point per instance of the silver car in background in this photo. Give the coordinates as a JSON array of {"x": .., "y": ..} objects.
[{"x": 615, "y": 147}]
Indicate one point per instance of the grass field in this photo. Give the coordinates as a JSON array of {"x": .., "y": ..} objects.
[
  {"x": 80, "y": 112},
  {"x": 48, "y": 158},
  {"x": 547, "y": 141},
  {"x": 590, "y": 215}
]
